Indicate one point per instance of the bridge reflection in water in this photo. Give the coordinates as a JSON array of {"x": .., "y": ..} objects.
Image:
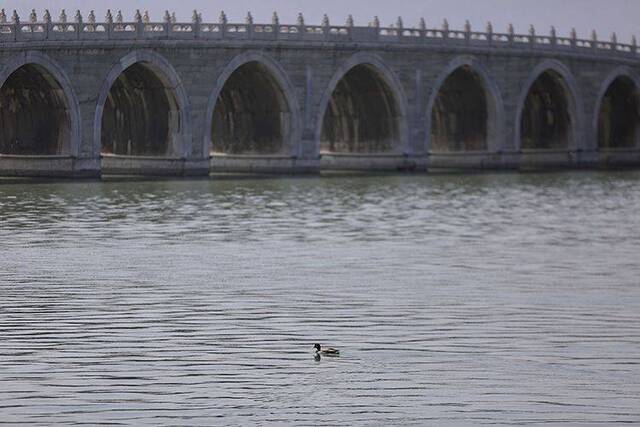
[{"x": 84, "y": 98}]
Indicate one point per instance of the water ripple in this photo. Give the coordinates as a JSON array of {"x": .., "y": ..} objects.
[{"x": 486, "y": 299}]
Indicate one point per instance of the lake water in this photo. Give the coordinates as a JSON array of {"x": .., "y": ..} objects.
[{"x": 455, "y": 299}]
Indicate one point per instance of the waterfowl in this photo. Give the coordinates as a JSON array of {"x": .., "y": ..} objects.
[{"x": 326, "y": 351}]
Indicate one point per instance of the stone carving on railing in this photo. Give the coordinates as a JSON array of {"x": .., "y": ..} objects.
[
  {"x": 143, "y": 27},
  {"x": 532, "y": 34},
  {"x": 325, "y": 21},
  {"x": 511, "y": 34},
  {"x": 445, "y": 29}
]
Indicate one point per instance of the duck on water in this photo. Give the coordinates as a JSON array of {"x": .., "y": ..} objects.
[{"x": 327, "y": 351}]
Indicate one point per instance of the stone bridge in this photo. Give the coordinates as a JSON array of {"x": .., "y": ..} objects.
[{"x": 80, "y": 97}]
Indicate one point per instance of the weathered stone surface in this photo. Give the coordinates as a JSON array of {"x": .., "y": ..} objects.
[{"x": 158, "y": 85}]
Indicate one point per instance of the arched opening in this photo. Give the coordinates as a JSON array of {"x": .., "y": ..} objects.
[
  {"x": 251, "y": 115},
  {"x": 362, "y": 115},
  {"x": 460, "y": 113},
  {"x": 546, "y": 120},
  {"x": 140, "y": 116},
  {"x": 619, "y": 116},
  {"x": 34, "y": 113}
]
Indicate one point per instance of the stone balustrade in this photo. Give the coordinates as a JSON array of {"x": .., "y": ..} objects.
[{"x": 142, "y": 28}]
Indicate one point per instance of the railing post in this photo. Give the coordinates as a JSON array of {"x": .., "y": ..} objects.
[
  {"x": 467, "y": 32},
  {"x": 326, "y": 26},
  {"x": 275, "y": 23},
  {"x": 119, "y": 21},
  {"x": 109, "y": 23},
  {"x": 92, "y": 21},
  {"x": 48, "y": 26},
  {"x": 350, "y": 24},
  {"x": 511, "y": 34},
  {"x": 445, "y": 29},
  {"x": 634, "y": 45},
  {"x": 139, "y": 24},
  {"x": 195, "y": 20},
  {"x": 400, "y": 27},
  {"x": 222, "y": 20},
  {"x": 17, "y": 31},
  {"x": 594, "y": 40},
  {"x": 376, "y": 28},
  {"x": 166, "y": 23},
  {"x": 574, "y": 38},
  {"x": 79, "y": 28},
  {"x": 249, "y": 22},
  {"x": 554, "y": 37},
  {"x": 301, "y": 26},
  {"x": 423, "y": 28},
  {"x": 489, "y": 32},
  {"x": 614, "y": 41},
  {"x": 532, "y": 35},
  {"x": 33, "y": 19}
]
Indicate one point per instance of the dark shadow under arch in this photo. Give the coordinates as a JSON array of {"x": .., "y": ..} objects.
[
  {"x": 459, "y": 118},
  {"x": 619, "y": 115},
  {"x": 251, "y": 114},
  {"x": 546, "y": 121},
  {"x": 140, "y": 116},
  {"x": 34, "y": 113},
  {"x": 362, "y": 115}
]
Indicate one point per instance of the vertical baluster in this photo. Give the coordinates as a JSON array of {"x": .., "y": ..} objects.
[
  {"x": 109, "y": 23},
  {"x": 79, "y": 24},
  {"x": 222, "y": 19},
  {"x": 17, "y": 31},
  {"x": 302, "y": 29},
  {"x": 139, "y": 24},
  {"x": 48, "y": 26},
  {"x": 195, "y": 20}
]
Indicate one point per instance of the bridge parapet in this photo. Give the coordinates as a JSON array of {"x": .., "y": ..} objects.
[{"x": 142, "y": 28}]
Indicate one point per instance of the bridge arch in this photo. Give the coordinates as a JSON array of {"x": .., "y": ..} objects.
[
  {"x": 48, "y": 111},
  {"x": 549, "y": 110},
  {"x": 616, "y": 119},
  {"x": 488, "y": 132},
  {"x": 270, "y": 126},
  {"x": 143, "y": 109},
  {"x": 379, "y": 85}
]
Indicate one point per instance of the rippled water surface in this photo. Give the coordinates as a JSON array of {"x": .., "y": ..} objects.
[{"x": 492, "y": 299}]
